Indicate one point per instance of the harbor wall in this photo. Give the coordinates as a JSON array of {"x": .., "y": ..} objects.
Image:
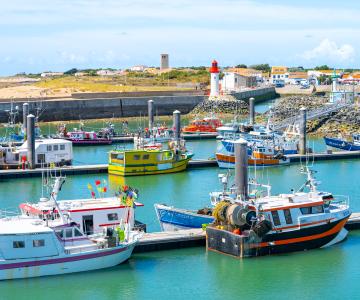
[
  {"x": 107, "y": 105},
  {"x": 260, "y": 94},
  {"x": 96, "y": 108}
]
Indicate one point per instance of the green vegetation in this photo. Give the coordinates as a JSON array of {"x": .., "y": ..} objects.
[
  {"x": 241, "y": 66},
  {"x": 323, "y": 67},
  {"x": 261, "y": 67}
]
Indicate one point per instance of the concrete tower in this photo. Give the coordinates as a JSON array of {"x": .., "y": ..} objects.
[
  {"x": 164, "y": 61},
  {"x": 214, "y": 73}
]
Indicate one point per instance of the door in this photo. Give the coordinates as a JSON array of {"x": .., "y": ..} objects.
[{"x": 88, "y": 224}]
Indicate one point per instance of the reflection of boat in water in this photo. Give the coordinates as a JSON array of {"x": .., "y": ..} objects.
[
  {"x": 32, "y": 247},
  {"x": 340, "y": 143},
  {"x": 149, "y": 161},
  {"x": 267, "y": 224},
  {"x": 205, "y": 125}
]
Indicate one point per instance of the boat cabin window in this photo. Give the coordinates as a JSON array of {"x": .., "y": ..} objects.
[
  {"x": 136, "y": 157},
  {"x": 18, "y": 244},
  {"x": 77, "y": 232},
  {"x": 146, "y": 156},
  {"x": 275, "y": 216},
  {"x": 38, "y": 243},
  {"x": 317, "y": 209},
  {"x": 312, "y": 210},
  {"x": 68, "y": 233},
  {"x": 56, "y": 147},
  {"x": 62, "y": 147},
  {"x": 287, "y": 215},
  {"x": 119, "y": 156},
  {"x": 113, "y": 217},
  {"x": 59, "y": 233},
  {"x": 48, "y": 148}
]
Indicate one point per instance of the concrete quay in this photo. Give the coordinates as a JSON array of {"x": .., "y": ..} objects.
[{"x": 324, "y": 156}]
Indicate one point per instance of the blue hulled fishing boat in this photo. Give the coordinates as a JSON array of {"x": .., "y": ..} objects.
[{"x": 342, "y": 144}]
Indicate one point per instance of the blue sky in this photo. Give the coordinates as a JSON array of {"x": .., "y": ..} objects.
[{"x": 57, "y": 35}]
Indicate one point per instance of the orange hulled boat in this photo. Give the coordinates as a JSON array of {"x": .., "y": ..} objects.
[{"x": 205, "y": 125}]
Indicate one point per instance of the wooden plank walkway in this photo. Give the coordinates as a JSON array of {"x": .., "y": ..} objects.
[{"x": 324, "y": 156}]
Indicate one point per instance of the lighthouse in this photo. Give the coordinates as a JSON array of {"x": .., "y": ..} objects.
[{"x": 214, "y": 84}]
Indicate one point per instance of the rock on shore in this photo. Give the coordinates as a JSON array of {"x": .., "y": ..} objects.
[{"x": 225, "y": 106}]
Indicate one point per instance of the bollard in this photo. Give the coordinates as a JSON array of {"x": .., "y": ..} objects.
[{"x": 241, "y": 168}]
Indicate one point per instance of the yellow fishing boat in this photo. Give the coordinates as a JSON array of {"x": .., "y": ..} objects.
[{"x": 147, "y": 161}]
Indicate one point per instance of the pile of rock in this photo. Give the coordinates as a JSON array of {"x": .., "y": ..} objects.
[
  {"x": 239, "y": 107},
  {"x": 289, "y": 106}
]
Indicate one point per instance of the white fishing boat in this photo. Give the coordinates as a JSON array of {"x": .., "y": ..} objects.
[{"x": 31, "y": 247}]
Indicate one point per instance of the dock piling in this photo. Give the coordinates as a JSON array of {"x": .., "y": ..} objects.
[
  {"x": 252, "y": 111},
  {"x": 30, "y": 134},
  {"x": 151, "y": 114},
  {"x": 25, "y": 114},
  {"x": 241, "y": 168},
  {"x": 302, "y": 141},
  {"x": 177, "y": 125}
]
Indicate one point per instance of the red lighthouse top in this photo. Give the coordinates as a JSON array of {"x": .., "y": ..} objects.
[{"x": 214, "y": 67}]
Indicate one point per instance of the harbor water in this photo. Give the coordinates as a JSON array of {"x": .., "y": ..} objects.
[{"x": 194, "y": 273}]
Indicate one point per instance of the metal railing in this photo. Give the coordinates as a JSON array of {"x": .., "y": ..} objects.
[{"x": 312, "y": 114}]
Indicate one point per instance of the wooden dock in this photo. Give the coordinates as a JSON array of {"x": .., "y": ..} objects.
[{"x": 168, "y": 240}]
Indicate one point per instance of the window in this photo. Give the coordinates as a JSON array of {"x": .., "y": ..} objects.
[
  {"x": 68, "y": 233},
  {"x": 62, "y": 147},
  {"x": 136, "y": 157},
  {"x": 18, "y": 244},
  {"x": 77, "y": 232},
  {"x": 56, "y": 147},
  {"x": 317, "y": 209},
  {"x": 305, "y": 210},
  {"x": 38, "y": 243},
  {"x": 48, "y": 147},
  {"x": 113, "y": 217},
  {"x": 275, "y": 216},
  {"x": 59, "y": 233},
  {"x": 287, "y": 215},
  {"x": 41, "y": 158},
  {"x": 146, "y": 156}
]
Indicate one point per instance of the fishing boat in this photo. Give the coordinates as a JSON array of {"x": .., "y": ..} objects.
[
  {"x": 340, "y": 143},
  {"x": 260, "y": 154},
  {"x": 205, "y": 125},
  {"x": 92, "y": 214},
  {"x": 149, "y": 161},
  {"x": 32, "y": 247},
  {"x": 80, "y": 137},
  {"x": 47, "y": 152},
  {"x": 267, "y": 224}
]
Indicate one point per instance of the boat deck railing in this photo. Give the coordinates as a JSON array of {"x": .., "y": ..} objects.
[{"x": 340, "y": 200}]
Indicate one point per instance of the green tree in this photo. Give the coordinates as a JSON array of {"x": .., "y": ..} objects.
[
  {"x": 261, "y": 67},
  {"x": 241, "y": 66},
  {"x": 71, "y": 71},
  {"x": 323, "y": 67}
]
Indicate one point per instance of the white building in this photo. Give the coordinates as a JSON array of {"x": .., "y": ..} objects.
[
  {"x": 109, "y": 72},
  {"x": 164, "y": 61},
  {"x": 51, "y": 74},
  {"x": 139, "y": 68}
]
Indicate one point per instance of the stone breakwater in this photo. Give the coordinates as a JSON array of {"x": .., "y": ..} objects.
[
  {"x": 345, "y": 122},
  {"x": 224, "y": 106}
]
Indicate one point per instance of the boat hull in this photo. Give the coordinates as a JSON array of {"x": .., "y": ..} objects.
[
  {"x": 340, "y": 144},
  {"x": 90, "y": 142},
  {"x": 65, "y": 264},
  {"x": 281, "y": 242},
  {"x": 149, "y": 169},
  {"x": 172, "y": 219},
  {"x": 228, "y": 161}
]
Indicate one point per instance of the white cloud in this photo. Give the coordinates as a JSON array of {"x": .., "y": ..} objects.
[{"x": 330, "y": 50}]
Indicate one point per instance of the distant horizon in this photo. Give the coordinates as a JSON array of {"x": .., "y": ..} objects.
[{"x": 60, "y": 35}]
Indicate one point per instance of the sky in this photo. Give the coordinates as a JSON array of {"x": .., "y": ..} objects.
[{"x": 57, "y": 35}]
